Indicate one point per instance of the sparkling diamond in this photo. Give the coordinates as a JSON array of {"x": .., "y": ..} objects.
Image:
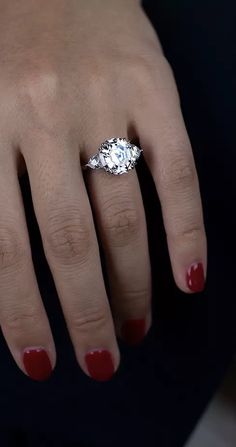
[
  {"x": 94, "y": 162},
  {"x": 118, "y": 156}
]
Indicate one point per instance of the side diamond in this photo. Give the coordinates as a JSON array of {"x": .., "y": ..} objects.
[{"x": 94, "y": 162}]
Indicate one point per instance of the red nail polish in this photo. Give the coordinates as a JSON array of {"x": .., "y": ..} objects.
[
  {"x": 37, "y": 363},
  {"x": 100, "y": 364},
  {"x": 195, "y": 277},
  {"x": 133, "y": 331}
]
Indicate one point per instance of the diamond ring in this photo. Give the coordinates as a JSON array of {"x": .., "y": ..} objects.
[{"x": 116, "y": 156}]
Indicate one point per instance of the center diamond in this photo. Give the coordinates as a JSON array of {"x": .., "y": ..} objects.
[
  {"x": 120, "y": 153},
  {"x": 118, "y": 156}
]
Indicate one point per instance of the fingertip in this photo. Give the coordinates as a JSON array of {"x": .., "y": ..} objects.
[
  {"x": 195, "y": 277},
  {"x": 100, "y": 364},
  {"x": 191, "y": 279},
  {"x": 37, "y": 363}
]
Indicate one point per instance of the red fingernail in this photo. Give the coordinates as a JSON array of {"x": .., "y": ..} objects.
[
  {"x": 133, "y": 331},
  {"x": 37, "y": 363},
  {"x": 195, "y": 277},
  {"x": 100, "y": 364}
]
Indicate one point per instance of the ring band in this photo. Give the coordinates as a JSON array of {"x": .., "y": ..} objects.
[{"x": 116, "y": 156}]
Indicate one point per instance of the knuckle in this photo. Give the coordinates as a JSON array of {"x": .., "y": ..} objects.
[
  {"x": 143, "y": 70},
  {"x": 137, "y": 299},
  {"x": 68, "y": 236},
  {"x": 180, "y": 174},
  {"x": 12, "y": 250},
  {"x": 18, "y": 320},
  {"x": 39, "y": 84},
  {"x": 121, "y": 222},
  {"x": 189, "y": 235},
  {"x": 192, "y": 234},
  {"x": 154, "y": 75},
  {"x": 96, "y": 78},
  {"x": 89, "y": 320},
  {"x": 40, "y": 92}
]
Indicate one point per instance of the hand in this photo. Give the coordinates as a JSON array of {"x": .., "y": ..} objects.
[{"x": 73, "y": 74}]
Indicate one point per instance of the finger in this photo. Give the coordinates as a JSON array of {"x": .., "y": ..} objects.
[
  {"x": 23, "y": 319},
  {"x": 121, "y": 224},
  {"x": 65, "y": 219},
  {"x": 169, "y": 156}
]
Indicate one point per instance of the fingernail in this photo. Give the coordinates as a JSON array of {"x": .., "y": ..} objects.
[
  {"x": 133, "y": 331},
  {"x": 195, "y": 277},
  {"x": 100, "y": 364},
  {"x": 37, "y": 363}
]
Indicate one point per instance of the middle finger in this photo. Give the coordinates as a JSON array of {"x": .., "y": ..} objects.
[{"x": 65, "y": 220}]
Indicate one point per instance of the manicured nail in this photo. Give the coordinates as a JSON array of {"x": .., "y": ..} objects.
[
  {"x": 37, "y": 363},
  {"x": 195, "y": 277},
  {"x": 133, "y": 331},
  {"x": 100, "y": 364}
]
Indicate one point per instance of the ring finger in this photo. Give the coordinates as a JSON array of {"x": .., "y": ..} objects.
[{"x": 121, "y": 224}]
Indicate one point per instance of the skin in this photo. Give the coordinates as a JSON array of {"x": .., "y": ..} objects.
[{"x": 74, "y": 73}]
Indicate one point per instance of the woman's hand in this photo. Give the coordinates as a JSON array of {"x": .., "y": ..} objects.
[{"x": 73, "y": 74}]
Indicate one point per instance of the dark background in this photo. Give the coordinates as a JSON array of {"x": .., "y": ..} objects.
[{"x": 162, "y": 386}]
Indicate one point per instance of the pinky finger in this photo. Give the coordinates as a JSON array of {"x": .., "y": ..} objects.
[{"x": 169, "y": 156}]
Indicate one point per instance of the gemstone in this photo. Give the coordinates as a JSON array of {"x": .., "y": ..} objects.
[
  {"x": 94, "y": 162},
  {"x": 118, "y": 156}
]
